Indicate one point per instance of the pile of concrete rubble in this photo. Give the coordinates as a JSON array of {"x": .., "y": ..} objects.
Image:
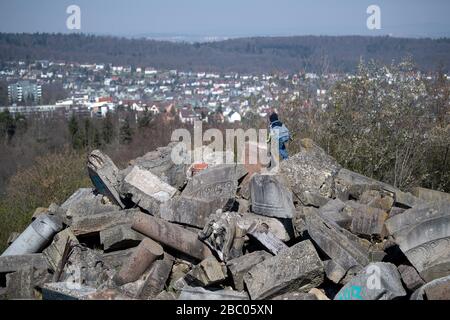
[{"x": 311, "y": 230}]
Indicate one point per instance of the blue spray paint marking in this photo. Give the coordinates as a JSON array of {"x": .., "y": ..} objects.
[
  {"x": 351, "y": 293},
  {"x": 99, "y": 185}
]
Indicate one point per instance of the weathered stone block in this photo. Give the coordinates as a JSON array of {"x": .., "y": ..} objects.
[
  {"x": 423, "y": 235},
  {"x": 378, "y": 281},
  {"x": 270, "y": 197},
  {"x": 240, "y": 266},
  {"x": 207, "y": 273},
  {"x": 101, "y": 221},
  {"x": 296, "y": 268},
  {"x": 119, "y": 237},
  {"x": 105, "y": 176},
  {"x": 160, "y": 163},
  {"x": 410, "y": 277},
  {"x": 14, "y": 263},
  {"x": 217, "y": 183},
  {"x": 146, "y": 190},
  {"x": 366, "y": 221},
  {"x": 341, "y": 246},
  {"x": 157, "y": 278},
  {"x": 188, "y": 210},
  {"x": 438, "y": 289},
  {"x": 429, "y": 195},
  {"x": 54, "y": 252},
  {"x": 310, "y": 170}
]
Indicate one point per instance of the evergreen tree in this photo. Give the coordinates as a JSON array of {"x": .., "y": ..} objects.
[
  {"x": 76, "y": 135},
  {"x": 108, "y": 129},
  {"x": 126, "y": 133}
]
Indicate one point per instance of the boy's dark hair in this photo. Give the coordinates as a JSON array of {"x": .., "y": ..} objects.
[{"x": 273, "y": 117}]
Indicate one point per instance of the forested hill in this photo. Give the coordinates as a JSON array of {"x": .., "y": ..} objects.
[{"x": 262, "y": 54}]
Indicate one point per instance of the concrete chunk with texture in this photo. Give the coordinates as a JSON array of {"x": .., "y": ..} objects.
[
  {"x": 312, "y": 169},
  {"x": 13, "y": 263},
  {"x": 206, "y": 273},
  {"x": 339, "y": 244},
  {"x": 105, "y": 176},
  {"x": 378, "y": 281},
  {"x": 119, "y": 237},
  {"x": 423, "y": 235},
  {"x": 240, "y": 266},
  {"x": 297, "y": 268},
  {"x": 101, "y": 221},
  {"x": 214, "y": 183},
  {"x": 146, "y": 190},
  {"x": 438, "y": 289},
  {"x": 270, "y": 197},
  {"x": 188, "y": 210}
]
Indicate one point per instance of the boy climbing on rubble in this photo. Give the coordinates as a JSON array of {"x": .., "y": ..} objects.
[{"x": 279, "y": 132}]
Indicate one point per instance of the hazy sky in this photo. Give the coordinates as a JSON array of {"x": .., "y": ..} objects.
[{"x": 229, "y": 17}]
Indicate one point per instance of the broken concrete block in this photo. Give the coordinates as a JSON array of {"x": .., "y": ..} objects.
[
  {"x": 340, "y": 245},
  {"x": 438, "y": 289},
  {"x": 296, "y": 296},
  {"x": 160, "y": 163},
  {"x": 179, "y": 271},
  {"x": 335, "y": 211},
  {"x": 55, "y": 251},
  {"x": 351, "y": 185},
  {"x": 296, "y": 268},
  {"x": 333, "y": 271},
  {"x": 267, "y": 239},
  {"x": 429, "y": 195},
  {"x": 171, "y": 235},
  {"x": 105, "y": 176},
  {"x": 14, "y": 263},
  {"x": 84, "y": 266},
  {"x": 23, "y": 283},
  {"x": 312, "y": 198},
  {"x": 188, "y": 210},
  {"x": 423, "y": 235},
  {"x": 115, "y": 259},
  {"x": 310, "y": 170},
  {"x": 85, "y": 202},
  {"x": 240, "y": 266},
  {"x": 376, "y": 199},
  {"x": 206, "y": 273},
  {"x": 157, "y": 278},
  {"x": 95, "y": 223},
  {"x": 65, "y": 291},
  {"x": 119, "y": 237},
  {"x": 198, "y": 293},
  {"x": 406, "y": 199},
  {"x": 215, "y": 183},
  {"x": 410, "y": 277},
  {"x": 378, "y": 281},
  {"x": 146, "y": 190},
  {"x": 366, "y": 221},
  {"x": 270, "y": 197},
  {"x": 143, "y": 256},
  {"x": 273, "y": 225},
  {"x": 35, "y": 238}
]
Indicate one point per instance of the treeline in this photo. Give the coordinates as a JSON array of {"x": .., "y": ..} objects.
[{"x": 262, "y": 54}]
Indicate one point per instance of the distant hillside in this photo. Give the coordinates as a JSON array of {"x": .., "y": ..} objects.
[{"x": 264, "y": 54}]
